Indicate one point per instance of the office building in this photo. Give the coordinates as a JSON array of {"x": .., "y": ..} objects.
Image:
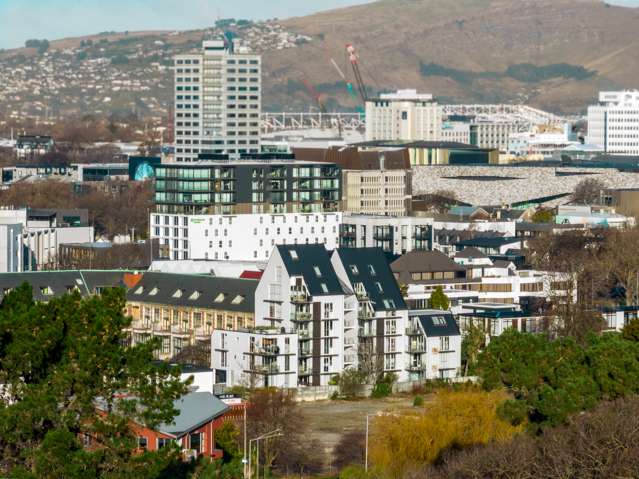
[
  {"x": 377, "y": 192},
  {"x": 613, "y": 123},
  {"x": 217, "y": 101},
  {"x": 405, "y": 116},
  {"x": 492, "y": 134}
]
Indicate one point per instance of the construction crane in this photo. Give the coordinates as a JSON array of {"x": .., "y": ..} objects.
[
  {"x": 315, "y": 94},
  {"x": 354, "y": 59},
  {"x": 349, "y": 86}
]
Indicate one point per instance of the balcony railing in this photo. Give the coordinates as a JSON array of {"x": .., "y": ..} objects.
[
  {"x": 413, "y": 331},
  {"x": 266, "y": 368},
  {"x": 141, "y": 325},
  {"x": 304, "y": 353},
  {"x": 203, "y": 331},
  {"x": 299, "y": 297},
  {"x": 417, "y": 348},
  {"x": 303, "y": 333},
  {"x": 363, "y": 332},
  {"x": 416, "y": 367},
  {"x": 301, "y": 316},
  {"x": 267, "y": 350},
  {"x": 365, "y": 315}
]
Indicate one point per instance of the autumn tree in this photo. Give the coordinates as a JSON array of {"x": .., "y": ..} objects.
[
  {"x": 543, "y": 215},
  {"x": 402, "y": 443},
  {"x": 439, "y": 201},
  {"x": 77, "y": 361}
]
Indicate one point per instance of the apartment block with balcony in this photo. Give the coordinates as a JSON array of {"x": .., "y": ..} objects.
[
  {"x": 300, "y": 292},
  {"x": 240, "y": 210},
  {"x": 382, "y": 315},
  {"x": 256, "y": 357},
  {"x": 434, "y": 345},
  {"x": 396, "y": 235},
  {"x": 184, "y": 310}
]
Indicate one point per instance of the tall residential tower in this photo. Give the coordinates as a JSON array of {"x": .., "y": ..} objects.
[{"x": 217, "y": 101}]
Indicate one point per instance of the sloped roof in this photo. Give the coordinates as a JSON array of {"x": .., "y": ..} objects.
[
  {"x": 199, "y": 291},
  {"x": 437, "y": 323},
  {"x": 470, "y": 253},
  {"x": 370, "y": 267},
  {"x": 195, "y": 409},
  {"x": 303, "y": 260},
  {"x": 59, "y": 283},
  {"x": 490, "y": 242},
  {"x": 423, "y": 262}
]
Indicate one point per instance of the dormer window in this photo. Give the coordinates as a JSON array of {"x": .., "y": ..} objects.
[
  {"x": 439, "y": 321},
  {"x": 354, "y": 269},
  {"x": 219, "y": 298},
  {"x": 194, "y": 295},
  {"x": 318, "y": 272},
  {"x": 139, "y": 291},
  {"x": 238, "y": 299},
  {"x": 46, "y": 290},
  {"x": 293, "y": 254},
  {"x": 324, "y": 287},
  {"x": 178, "y": 293},
  {"x": 154, "y": 291},
  {"x": 371, "y": 270}
]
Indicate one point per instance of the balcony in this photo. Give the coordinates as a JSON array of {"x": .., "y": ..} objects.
[
  {"x": 362, "y": 295},
  {"x": 299, "y": 297},
  {"x": 413, "y": 331},
  {"x": 305, "y": 353},
  {"x": 141, "y": 325},
  {"x": 350, "y": 358},
  {"x": 349, "y": 324},
  {"x": 416, "y": 367},
  {"x": 266, "y": 369},
  {"x": 366, "y": 333},
  {"x": 416, "y": 348},
  {"x": 203, "y": 332},
  {"x": 303, "y": 333},
  {"x": 269, "y": 350},
  {"x": 304, "y": 371},
  {"x": 180, "y": 329},
  {"x": 301, "y": 316}
]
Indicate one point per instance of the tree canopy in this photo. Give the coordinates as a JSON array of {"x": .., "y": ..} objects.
[
  {"x": 57, "y": 361},
  {"x": 439, "y": 300}
]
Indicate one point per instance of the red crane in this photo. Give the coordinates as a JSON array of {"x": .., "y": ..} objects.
[{"x": 354, "y": 59}]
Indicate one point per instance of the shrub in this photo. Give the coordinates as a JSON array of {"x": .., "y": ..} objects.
[{"x": 418, "y": 401}]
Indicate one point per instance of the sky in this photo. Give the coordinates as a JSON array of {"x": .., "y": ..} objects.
[{"x": 54, "y": 19}]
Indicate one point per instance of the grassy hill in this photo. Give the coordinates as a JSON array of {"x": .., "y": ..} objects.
[{"x": 553, "y": 54}]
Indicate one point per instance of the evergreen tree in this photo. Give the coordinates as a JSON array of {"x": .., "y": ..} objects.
[
  {"x": 438, "y": 299},
  {"x": 58, "y": 360}
]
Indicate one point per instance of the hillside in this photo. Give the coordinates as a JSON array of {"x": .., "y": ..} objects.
[
  {"x": 553, "y": 54},
  {"x": 464, "y": 48}
]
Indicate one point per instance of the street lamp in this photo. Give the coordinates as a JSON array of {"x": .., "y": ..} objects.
[{"x": 268, "y": 435}]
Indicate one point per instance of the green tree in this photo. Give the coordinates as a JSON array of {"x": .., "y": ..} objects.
[
  {"x": 227, "y": 439},
  {"x": 631, "y": 330},
  {"x": 473, "y": 342},
  {"x": 438, "y": 299},
  {"x": 58, "y": 360},
  {"x": 543, "y": 215}
]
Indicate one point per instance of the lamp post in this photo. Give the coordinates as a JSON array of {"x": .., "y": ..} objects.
[{"x": 268, "y": 435}]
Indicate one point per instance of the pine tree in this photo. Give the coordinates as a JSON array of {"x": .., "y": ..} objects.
[{"x": 438, "y": 299}]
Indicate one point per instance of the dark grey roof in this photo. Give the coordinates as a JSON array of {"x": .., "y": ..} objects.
[
  {"x": 430, "y": 323},
  {"x": 370, "y": 267},
  {"x": 447, "y": 145},
  {"x": 470, "y": 253},
  {"x": 489, "y": 242},
  {"x": 61, "y": 282},
  {"x": 309, "y": 257},
  {"x": 200, "y": 291}
]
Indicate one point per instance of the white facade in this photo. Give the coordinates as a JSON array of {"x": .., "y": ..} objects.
[
  {"x": 489, "y": 134},
  {"x": 405, "y": 115},
  {"x": 243, "y": 237},
  {"x": 456, "y": 131},
  {"x": 255, "y": 358},
  {"x": 217, "y": 102},
  {"x": 614, "y": 122},
  {"x": 377, "y": 192},
  {"x": 10, "y": 248}
]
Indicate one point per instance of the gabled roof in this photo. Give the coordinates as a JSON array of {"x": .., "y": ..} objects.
[
  {"x": 423, "y": 262},
  {"x": 195, "y": 409},
  {"x": 307, "y": 261},
  {"x": 370, "y": 267},
  {"x": 437, "y": 323},
  {"x": 199, "y": 291},
  {"x": 52, "y": 284},
  {"x": 470, "y": 253}
]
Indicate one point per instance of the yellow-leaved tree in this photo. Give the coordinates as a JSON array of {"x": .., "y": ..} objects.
[{"x": 406, "y": 442}]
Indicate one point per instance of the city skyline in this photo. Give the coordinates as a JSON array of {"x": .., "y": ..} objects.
[{"x": 89, "y": 17}]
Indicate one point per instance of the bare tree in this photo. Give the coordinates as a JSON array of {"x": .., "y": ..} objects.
[{"x": 588, "y": 191}]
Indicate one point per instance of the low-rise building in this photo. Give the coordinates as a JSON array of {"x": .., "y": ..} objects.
[
  {"x": 184, "y": 310},
  {"x": 434, "y": 345}
]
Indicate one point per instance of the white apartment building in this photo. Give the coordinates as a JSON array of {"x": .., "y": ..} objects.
[
  {"x": 377, "y": 192},
  {"x": 434, "y": 345},
  {"x": 405, "y": 116},
  {"x": 255, "y": 358},
  {"x": 217, "y": 101},
  {"x": 299, "y": 291},
  {"x": 11, "y": 248},
  {"x": 492, "y": 134},
  {"x": 241, "y": 237},
  {"x": 614, "y": 122}
]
